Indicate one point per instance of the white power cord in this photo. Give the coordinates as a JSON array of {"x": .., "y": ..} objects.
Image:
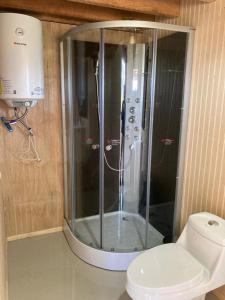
[{"x": 29, "y": 152}]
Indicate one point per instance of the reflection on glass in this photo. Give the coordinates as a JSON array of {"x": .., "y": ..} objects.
[
  {"x": 86, "y": 138},
  {"x": 171, "y": 53}
]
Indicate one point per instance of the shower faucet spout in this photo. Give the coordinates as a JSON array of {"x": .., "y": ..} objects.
[
  {"x": 95, "y": 146},
  {"x": 108, "y": 147}
]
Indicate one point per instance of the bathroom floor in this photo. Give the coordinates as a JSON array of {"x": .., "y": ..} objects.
[{"x": 44, "y": 268}]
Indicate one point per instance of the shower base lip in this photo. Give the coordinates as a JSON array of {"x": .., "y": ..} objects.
[{"x": 113, "y": 261}]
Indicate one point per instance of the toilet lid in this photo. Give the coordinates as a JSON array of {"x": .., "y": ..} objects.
[{"x": 166, "y": 268}]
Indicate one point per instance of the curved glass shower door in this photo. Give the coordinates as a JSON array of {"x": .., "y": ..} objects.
[
  {"x": 122, "y": 103},
  {"x": 128, "y": 65},
  {"x": 82, "y": 136}
]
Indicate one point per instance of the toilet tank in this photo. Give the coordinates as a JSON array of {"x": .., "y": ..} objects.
[{"x": 204, "y": 237}]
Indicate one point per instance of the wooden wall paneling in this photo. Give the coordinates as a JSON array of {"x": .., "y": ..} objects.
[
  {"x": 3, "y": 253},
  {"x": 33, "y": 192},
  {"x": 204, "y": 175},
  {"x": 220, "y": 293},
  {"x": 69, "y": 12},
  {"x": 207, "y": 1},
  {"x": 153, "y": 7}
]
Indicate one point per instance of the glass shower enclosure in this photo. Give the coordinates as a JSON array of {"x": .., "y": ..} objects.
[{"x": 124, "y": 101}]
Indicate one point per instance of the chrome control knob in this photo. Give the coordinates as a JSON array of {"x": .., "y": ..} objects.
[
  {"x": 132, "y": 110},
  {"x": 131, "y": 119}
]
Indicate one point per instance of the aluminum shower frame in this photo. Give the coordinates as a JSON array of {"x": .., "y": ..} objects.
[{"x": 100, "y": 257}]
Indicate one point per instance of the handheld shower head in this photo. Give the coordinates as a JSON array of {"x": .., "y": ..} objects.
[{"x": 96, "y": 67}]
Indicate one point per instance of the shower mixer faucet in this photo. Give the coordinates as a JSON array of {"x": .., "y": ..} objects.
[
  {"x": 95, "y": 146},
  {"x": 108, "y": 147}
]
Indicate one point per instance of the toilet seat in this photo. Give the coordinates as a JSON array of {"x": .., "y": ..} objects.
[{"x": 166, "y": 269}]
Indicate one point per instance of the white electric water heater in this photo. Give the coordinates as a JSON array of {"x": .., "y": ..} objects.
[{"x": 21, "y": 60}]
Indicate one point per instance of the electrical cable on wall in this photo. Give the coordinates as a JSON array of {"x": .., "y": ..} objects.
[{"x": 28, "y": 152}]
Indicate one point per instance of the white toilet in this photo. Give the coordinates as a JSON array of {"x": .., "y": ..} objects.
[{"x": 185, "y": 270}]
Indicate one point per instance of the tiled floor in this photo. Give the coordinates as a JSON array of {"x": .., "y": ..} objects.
[{"x": 44, "y": 268}]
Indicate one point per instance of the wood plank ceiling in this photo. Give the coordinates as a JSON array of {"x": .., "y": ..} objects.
[
  {"x": 152, "y": 7},
  {"x": 77, "y": 11}
]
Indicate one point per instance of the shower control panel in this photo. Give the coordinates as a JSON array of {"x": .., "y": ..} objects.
[
  {"x": 133, "y": 119},
  {"x": 134, "y": 100}
]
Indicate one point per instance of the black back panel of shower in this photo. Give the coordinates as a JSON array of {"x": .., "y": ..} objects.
[
  {"x": 86, "y": 132},
  {"x": 113, "y": 130},
  {"x": 86, "y": 129},
  {"x": 171, "y": 53},
  {"x": 168, "y": 101}
]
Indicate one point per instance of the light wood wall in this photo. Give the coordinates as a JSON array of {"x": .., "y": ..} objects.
[
  {"x": 204, "y": 181},
  {"x": 33, "y": 193},
  {"x": 3, "y": 256}
]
